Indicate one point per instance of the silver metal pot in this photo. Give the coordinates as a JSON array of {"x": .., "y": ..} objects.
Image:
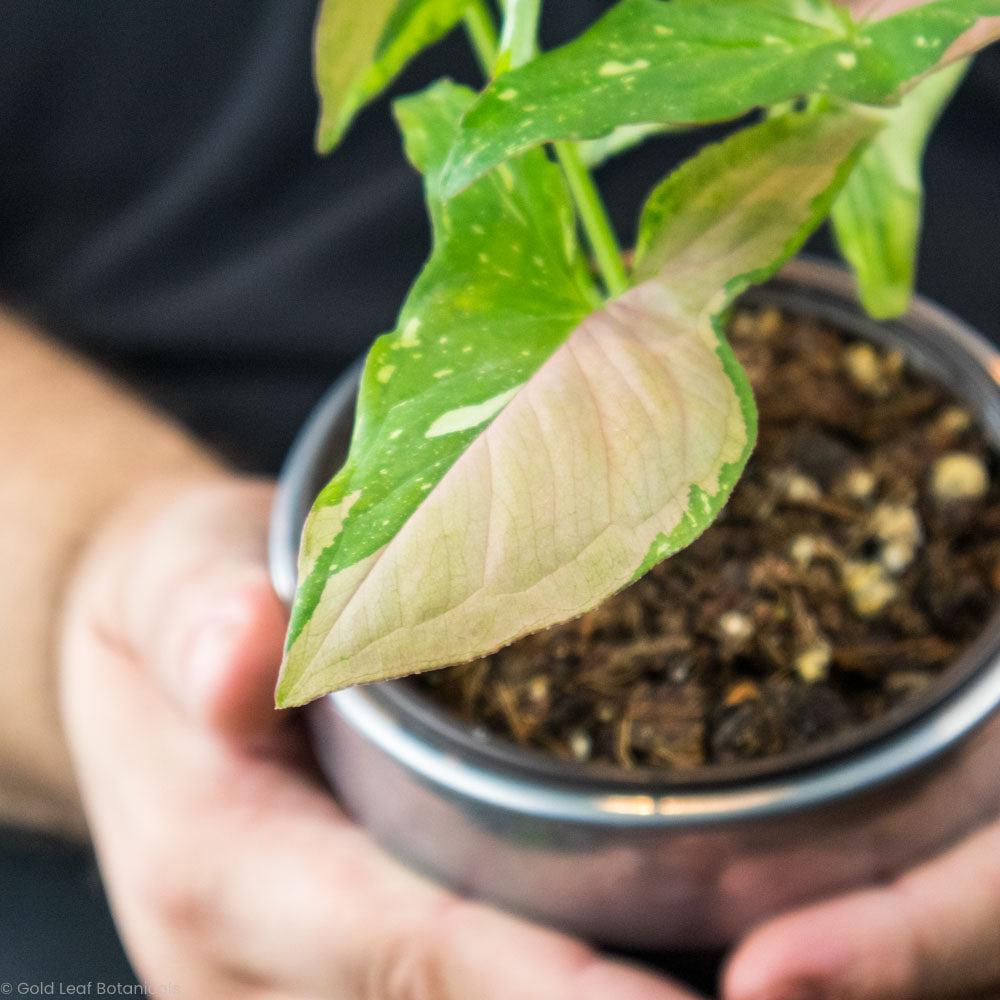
[{"x": 630, "y": 859}]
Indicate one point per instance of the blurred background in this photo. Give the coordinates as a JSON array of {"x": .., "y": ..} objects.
[{"x": 162, "y": 211}]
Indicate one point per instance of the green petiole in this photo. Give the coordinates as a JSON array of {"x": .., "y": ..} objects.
[
  {"x": 593, "y": 217},
  {"x": 482, "y": 35}
]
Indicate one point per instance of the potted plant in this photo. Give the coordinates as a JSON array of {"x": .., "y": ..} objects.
[{"x": 533, "y": 437}]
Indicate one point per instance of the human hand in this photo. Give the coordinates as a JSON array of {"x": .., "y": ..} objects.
[
  {"x": 230, "y": 869},
  {"x": 931, "y": 935}
]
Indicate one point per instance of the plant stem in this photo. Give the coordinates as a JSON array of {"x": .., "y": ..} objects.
[
  {"x": 519, "y": 41},
  {"x": 482, "y": 34},
  {"x": 593, "y": 217},
  {"x": 519, "y": 45}
]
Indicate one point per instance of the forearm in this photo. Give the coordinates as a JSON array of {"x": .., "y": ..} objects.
[{"x": 72, "y": 445}]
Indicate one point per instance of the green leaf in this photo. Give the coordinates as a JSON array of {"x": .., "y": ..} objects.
[
  {"x": 877, "y": 216},
  {"x": 361, "y": 47},
  {"x": 516, "y": 460},
  {"x": 730, "y": 200},
  {"x": 698, "y": 61}
]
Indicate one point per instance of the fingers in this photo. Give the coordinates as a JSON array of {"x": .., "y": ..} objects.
[
  {"x": 233, "y": 662},
  {"x": 383, "y": 932},
  {"x": 934, "y": 934},
  {"x": 180, "y": 581},
  {"x": 221, "y": 860},
  {"x": 229, "y": 872}
]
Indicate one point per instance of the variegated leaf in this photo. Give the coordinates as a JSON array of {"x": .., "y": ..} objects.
[{"x": 694, "y": 61}]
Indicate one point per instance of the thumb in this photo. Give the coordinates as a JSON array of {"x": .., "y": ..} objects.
[
  {"x": 190, "y": 596},
  {"x": 935, "y": 933},
  {"x": 224, "y": 667}
]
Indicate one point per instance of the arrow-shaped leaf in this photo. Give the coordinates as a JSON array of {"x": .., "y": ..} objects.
[
  {"x": 361, "y": 47},
  {"x": 876, "y": 218},
  {"x": 516, "y": 460},
  {"x": 698, "y": 61}
]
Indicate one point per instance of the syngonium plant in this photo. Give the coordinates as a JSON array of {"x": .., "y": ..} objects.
[{"x": 536, "y": 432}]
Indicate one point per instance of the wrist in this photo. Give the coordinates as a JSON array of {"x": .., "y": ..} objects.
[{"x": 89, "y": 447}]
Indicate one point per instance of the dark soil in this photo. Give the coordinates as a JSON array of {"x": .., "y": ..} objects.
[{"x": 858, "y": 553}]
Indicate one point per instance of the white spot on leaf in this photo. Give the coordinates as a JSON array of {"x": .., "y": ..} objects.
[
  {"x": 409, "y": 338},
  {"x": 614, "y": 68},
  {"x": 385, "y": 373},
  {"x": 847, "y": 59},
  {"x": 323, "y": 528},
  {"x": 465, "y": 417}
]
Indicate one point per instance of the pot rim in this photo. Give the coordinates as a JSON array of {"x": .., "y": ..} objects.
[{"x": 481, "y": 768}]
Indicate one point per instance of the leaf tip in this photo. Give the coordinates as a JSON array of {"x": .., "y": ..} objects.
[
  {"x": 324, "y": 141},
  {"x": 331, "y": 126},
  {"x": 289, "y": 692},
  {"x": 283, "y": 689}
]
